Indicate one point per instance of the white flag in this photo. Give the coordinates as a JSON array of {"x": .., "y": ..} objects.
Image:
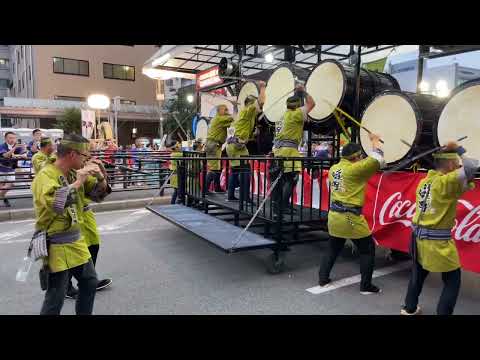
[{"x": 88, "y": 121}]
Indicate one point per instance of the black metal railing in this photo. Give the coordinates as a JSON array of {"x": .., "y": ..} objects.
[
  {"x": 276, "y": 190},
  {"x": 127, "y": 171}
]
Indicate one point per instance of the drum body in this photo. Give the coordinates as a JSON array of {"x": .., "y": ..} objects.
[
  {"x": 461, "y": 117},
  {"x": 332, "y": 84},
  {"x": 280, "y": 87},
  {"x": 397, "y": 116},
  {"x": 201, "y": 130},
  {"x": 248, "y": 88}
]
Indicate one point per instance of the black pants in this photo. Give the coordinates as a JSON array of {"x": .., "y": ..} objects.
[
  {"x": 214, "y": 176},
  {"x": 283, "y": 191},
  {"x": 239, "y": 177},
  {"x": 94, "y": 249},
  {"x": 57, "y": 288},
  {"x": 366, "y": 248},
  {"x": 448, "y": 299}
]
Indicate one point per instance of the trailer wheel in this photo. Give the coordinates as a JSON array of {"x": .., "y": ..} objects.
[{"x": 276, "y": 263}]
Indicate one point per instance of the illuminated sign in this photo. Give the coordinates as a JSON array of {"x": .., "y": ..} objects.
[{"x": 208, "y": 78}]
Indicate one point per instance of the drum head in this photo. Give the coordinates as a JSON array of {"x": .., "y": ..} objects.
[
  {"x": 202, "y": 130},
  {"x": 249, "y": 88},
  {"x": 461, "y": 117},
  {"x": 326, "y": 85},
  {"x": 393, "y": 117},
  {"x": 279, "y": 88}
]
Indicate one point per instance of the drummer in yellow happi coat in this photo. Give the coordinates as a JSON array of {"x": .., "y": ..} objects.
[
  {"x": 243, "y": 129},
  {"x": 348, "y": 180},
  {"x": 433, "y": 248},
  {"x": 217, "y": 134}
]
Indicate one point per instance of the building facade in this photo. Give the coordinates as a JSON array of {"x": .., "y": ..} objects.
[
  {"x": 5, "y": 77},
  {"x": 73, "y": 72}
]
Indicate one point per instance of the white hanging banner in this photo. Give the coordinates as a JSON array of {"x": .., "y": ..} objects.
[{"x": 88, "y": 121}]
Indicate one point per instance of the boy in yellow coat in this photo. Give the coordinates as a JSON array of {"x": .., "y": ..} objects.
[
  {"x": 44, "y": 156},
  {"x": 348, "y": 180},
  {"x": 433, "y": 248}
]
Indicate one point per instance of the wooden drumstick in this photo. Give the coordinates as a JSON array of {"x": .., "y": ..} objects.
[{"x": 350, "y": 117}]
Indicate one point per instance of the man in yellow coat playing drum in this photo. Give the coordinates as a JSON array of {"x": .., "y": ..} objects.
[
  {"x": 286, "y": 144},
  {"x": 237, "y": 145},
  {"x": 433, "y": 248},
  {"x": 217, "y": 134},
  {"x": 348, "y": 180},
  {"x": 59, "y": 213}
]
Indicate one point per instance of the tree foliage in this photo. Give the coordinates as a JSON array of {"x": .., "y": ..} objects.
[{"x": 70, "y": 121}]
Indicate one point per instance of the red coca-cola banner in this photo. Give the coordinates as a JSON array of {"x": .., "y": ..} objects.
[{"x": 390, "y": 207}]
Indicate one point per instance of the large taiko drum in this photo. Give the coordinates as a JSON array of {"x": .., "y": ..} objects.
[
  {"x": 332, "y": 84},
  {"x": 280, "y": 87},
  {"x": 251, "y": 87},
  {"x": 201, "y": 130},
  {"x": 461, "y": 117},
  {"x": 248, "y": 88},
  {"x": 397, "y": 116}
]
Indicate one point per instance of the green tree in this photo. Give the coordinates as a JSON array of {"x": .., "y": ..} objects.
[
  {"x": 180, "y": 108},
  {"x": 70, "y": 121}
]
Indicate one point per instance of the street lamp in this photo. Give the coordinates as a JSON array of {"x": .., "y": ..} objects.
[
  {"x": 190, "y": 98},
  {"x": 442, "y": 89},
  {"x": 98, "y": 102},
  {"x": 424, "y": 86}
]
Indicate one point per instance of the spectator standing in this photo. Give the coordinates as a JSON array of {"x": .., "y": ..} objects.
[{"x": 10, "y": 153}]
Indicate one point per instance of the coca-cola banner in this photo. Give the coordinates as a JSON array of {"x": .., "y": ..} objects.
[{"x": 390, "y": 207}]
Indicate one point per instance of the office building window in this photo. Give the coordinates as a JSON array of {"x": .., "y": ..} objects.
[
  {"x": 119, "y": 72},
  {"x": 169, "y": 82},
  {"x": 70, "y": 98},
  {"x": 19, "y": 85},
  {"x": 29, "y": 73},
  {"x": 23, "y": 81},
  {"x": 4, "y": 83},
  {"x": 3, "y": 63},
  {"x": 21, "y": 49},
  {"x": 13, "y": 67},
  {"x": 70, "y": 66},
  {"x": 18, "y": 57}
]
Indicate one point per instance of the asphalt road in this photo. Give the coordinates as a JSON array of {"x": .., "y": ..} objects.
[{"x": 158, "y": 268}]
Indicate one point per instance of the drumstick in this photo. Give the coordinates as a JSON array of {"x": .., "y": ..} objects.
[
  {"x": 350, "y": 117},
  {"x": 419, "y": 156}
]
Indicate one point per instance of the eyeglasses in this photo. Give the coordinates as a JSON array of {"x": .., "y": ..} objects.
[{"x": 84, "y": 155}]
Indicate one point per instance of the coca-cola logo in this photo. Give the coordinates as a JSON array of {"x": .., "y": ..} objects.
[
  {"x": 469, "y": 228},
  {"x": 395, "y": 210}
]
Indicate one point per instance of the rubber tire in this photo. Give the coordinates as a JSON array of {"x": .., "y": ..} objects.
[{"x": 274, "y": 265}]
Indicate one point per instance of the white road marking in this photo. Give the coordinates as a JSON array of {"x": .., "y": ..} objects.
[
  {"x": 15, "y": 234},
  {"x": 356, "y": 279},
  {"x": 124, "y": 221},
  {"x": 103, "y": 233}
]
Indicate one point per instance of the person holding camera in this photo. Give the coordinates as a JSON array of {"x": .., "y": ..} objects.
[{"x": 10, "y": 152}]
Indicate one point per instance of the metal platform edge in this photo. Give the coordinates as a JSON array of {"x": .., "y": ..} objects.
[{"x": 227, "y": 251}]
